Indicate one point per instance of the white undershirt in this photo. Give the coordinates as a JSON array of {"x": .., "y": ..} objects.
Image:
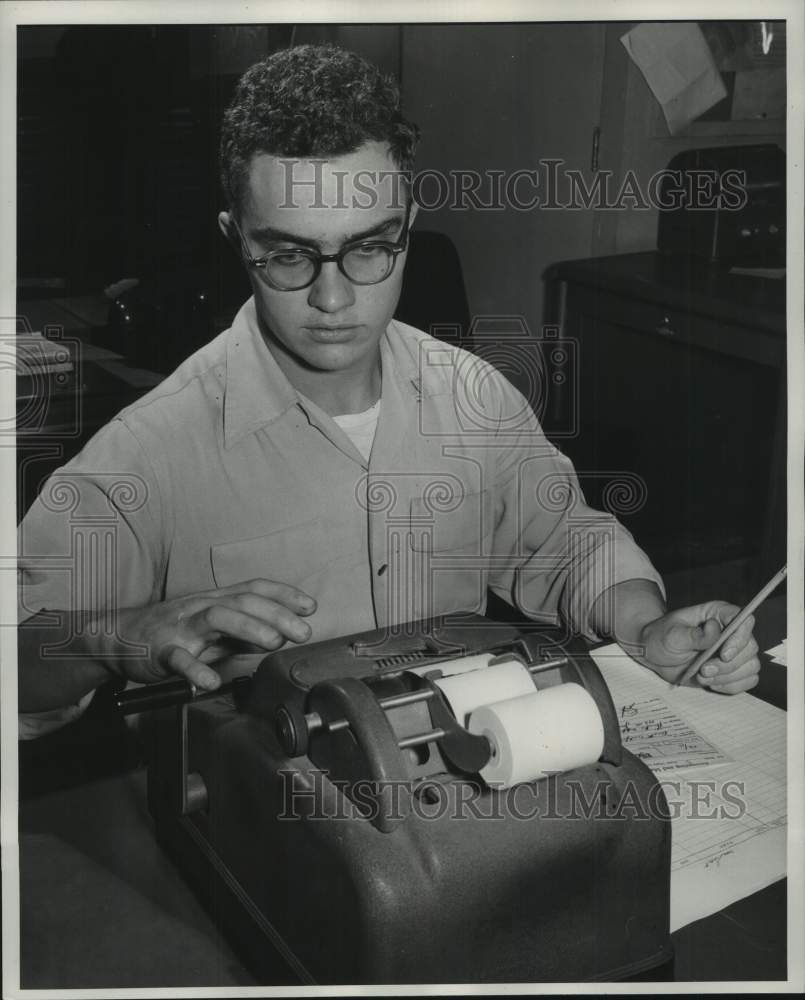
[{"x": 360, "y": 428}]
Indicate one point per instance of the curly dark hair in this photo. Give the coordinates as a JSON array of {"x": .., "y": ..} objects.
[{"x": 311, "y": 100}]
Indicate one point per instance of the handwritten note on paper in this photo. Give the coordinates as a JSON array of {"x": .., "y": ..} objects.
[
  {"x": 652, "y": 731},
  {"x": 728, "y": 822}
]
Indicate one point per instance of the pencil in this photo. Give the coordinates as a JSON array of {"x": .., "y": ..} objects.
[{"x": 732, "y": 627}]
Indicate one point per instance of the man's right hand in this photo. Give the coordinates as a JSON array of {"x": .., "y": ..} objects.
[{"x": 184, "y": 635}]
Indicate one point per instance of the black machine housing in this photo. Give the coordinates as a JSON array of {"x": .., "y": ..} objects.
[
  {"x": 332, "y": 854},
  {"x": 726, "y": 204}
]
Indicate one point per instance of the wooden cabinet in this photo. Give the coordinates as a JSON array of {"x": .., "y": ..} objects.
[{"x": 678, "y": 393}]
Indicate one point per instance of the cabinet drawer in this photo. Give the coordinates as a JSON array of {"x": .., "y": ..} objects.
[{"x": 673, "y": 323}]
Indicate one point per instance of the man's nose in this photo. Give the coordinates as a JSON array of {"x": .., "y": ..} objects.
[{"x": 331, "y": 291}]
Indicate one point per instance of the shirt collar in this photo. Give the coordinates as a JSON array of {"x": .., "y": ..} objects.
[
  {"x": 399, "y": 357},
  {"x": 257, "y": 391}
]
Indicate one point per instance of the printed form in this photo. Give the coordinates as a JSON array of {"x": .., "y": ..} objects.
[{"x": 722, "y": 763}]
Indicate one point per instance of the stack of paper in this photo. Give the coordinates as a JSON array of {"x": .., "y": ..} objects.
[{"x": 722, "y": 764}]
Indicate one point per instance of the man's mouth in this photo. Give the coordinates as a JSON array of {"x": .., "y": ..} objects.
[{"x": 339, "y": 332}]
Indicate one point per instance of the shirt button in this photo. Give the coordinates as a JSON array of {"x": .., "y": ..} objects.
[{"x": 383, "y": 569}]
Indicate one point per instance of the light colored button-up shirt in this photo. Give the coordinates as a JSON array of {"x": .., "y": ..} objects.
[{"x": 225, "y": 473}]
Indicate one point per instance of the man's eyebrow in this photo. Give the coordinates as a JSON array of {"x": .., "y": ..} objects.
[{"x": 268, "y": 234}]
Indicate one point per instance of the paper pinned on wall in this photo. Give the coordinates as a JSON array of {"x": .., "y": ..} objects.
[{"x": 678, "y": 66}]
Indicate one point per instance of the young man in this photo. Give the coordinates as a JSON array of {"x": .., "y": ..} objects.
[{"x": 319, "y": 468}]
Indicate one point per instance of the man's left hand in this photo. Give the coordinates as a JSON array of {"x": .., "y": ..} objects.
[{"x": 671, "y": 642}]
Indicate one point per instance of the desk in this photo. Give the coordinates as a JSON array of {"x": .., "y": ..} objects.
[{"x": 103, "y": 907}]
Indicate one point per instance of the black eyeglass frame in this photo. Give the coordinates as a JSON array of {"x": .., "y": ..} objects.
[{"x": 395, "y": 247}]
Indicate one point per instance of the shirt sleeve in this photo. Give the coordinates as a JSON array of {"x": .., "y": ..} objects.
[
  {"x": 92, "y": 541},
  {"x": 561, "y": 553},
  {"x": 32, "y": 725}
]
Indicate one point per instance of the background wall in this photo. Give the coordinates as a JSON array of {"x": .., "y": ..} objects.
[
  {"x": 118, "y": 140},
  {"x": 119, "y": 131},
  {"x": 503, "y": 97}
]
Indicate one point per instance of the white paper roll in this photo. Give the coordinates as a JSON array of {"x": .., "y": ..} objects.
[
  {"x": 461, "y": 665},
  {"x": 467, "y": 691},
  {"x": 537, "y": 734}
]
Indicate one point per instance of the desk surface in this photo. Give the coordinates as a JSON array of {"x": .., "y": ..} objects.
[
  {"x": 93, "y": 879},
  {"x": 706, "y": 288}
]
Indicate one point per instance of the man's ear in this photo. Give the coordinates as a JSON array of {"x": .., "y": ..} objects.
[{"x": 413, "y": 214}]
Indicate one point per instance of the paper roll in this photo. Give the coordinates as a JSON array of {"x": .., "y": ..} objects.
[
  {"x": 461, "y": 665},
  {"x": 537, "y": 734},
  {"x": 467, "y": 691}
]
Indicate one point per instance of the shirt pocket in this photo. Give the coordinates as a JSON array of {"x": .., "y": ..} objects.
[
  {"x": 287, "y": 555},
  {"x": 447, "y": 520}
]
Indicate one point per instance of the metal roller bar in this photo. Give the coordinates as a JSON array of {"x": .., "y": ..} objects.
[
  {"x": 420, "y": 738},
  {"x": 315, "y": 722},
  {"x": 535, "y": 668},
  {"x": 410, "y": 698}
]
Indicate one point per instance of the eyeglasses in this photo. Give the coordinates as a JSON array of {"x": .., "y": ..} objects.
[{"x": 364, "y": 263}]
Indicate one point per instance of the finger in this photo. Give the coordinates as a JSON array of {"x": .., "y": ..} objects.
[
  {"x": 742, "y": 680},
  {"x": 747, "y": 652},
  {"x": 740, "y": 640},
  {"x": 290, "y": 597},
  {"x": 180, "y": 661},
  {"x": 697, "y": 614},
  {"x": 714, "y": 675},
  {"x": 716, "y": 666},
  {"x": 274, "y": 614},
  {"x": 688, "y": 638},
  {"x": 218, "y": 619},
  {"x": 737, "y": 687},
  {"x": 226, "y": 649},
  {"x": 723, "y": 611}
]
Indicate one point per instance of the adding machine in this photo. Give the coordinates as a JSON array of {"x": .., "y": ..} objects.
[{"x": 444, "y": 802}]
